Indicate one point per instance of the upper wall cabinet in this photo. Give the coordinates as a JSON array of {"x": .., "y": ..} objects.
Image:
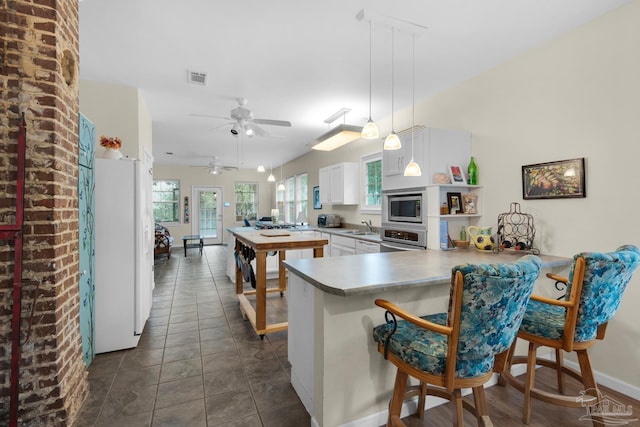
[
  {"x": 339, "y": 184},
  {"x": 433, "y": 149}
]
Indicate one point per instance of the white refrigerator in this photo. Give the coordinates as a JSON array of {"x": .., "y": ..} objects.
[{"x": 124, "y": 252}]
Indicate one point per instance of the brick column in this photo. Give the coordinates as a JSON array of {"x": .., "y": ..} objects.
[{"x": 39, "y": 76}]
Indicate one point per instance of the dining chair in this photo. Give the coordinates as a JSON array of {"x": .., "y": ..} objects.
[
  {"x": 460, "y": 348},
  {"x": 594, "y": 290}
]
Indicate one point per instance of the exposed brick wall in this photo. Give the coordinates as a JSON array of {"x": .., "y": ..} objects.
[{"x": 39, "y": 75}]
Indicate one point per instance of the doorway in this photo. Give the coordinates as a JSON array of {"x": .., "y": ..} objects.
[{"x": 207, "y": 214}]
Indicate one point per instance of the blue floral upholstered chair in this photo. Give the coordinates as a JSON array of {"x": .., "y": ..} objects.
[
  {"x": 463, "y": 347},
  {"x": 595, "y": 287}
]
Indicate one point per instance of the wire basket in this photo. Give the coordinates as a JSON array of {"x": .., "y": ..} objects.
[{"x": 516, "y": 231}]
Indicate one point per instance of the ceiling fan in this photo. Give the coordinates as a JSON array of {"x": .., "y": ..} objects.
[
  {"x": 216, "y": 167},
  {"x": 242, "y": 121}
]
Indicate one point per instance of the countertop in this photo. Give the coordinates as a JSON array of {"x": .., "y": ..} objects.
[
  {"x": 369, "y": 273},
  {"x": 347, "y": 232}
]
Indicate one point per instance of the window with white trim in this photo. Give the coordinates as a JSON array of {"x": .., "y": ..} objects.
[
  {"x": 246, "y": 199},
  {"x": 371, "y": 192},
  {"x": 166, "y": 200},
  {"x": 293, "y": 199}
]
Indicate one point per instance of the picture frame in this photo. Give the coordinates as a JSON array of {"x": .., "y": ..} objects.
[
  {"x": 457, "y": 174},
  {"x": 316, "y": 197},
  {"x": 560, "y": 179},
  {"x": 454, "y": 201}
]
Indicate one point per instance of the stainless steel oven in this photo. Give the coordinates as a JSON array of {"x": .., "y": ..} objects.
[
  {"x": 404, "y": 238},
  {"x": 404, "y": 220}
]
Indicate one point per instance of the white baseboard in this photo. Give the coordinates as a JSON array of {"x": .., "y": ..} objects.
[{"x": 605, "y": 380}]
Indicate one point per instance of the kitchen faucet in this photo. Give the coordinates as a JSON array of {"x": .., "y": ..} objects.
[{"x": 368, "y": 224}]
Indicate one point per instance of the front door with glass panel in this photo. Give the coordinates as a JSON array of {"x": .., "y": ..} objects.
[{"x": 207, "y": 214}]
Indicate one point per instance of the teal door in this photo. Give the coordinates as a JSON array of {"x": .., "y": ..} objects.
[{"x": 86, "y": 208}]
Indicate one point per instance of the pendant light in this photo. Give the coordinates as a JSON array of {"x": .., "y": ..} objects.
[
  {"x": 392, "y": 142},
  {"x": 281, "y": 184},
  {"x": 370, "y": 130},
  {"x": 271, "y": 178},
  {"x": 261, "y": 168},
  {"x": 413, "y": 168}
]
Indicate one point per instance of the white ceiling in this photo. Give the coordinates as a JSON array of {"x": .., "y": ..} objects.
[{"x": 299, "y": 61}]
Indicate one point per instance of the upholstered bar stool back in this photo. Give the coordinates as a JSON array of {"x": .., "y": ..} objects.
[{"x": 594, "y": 291}]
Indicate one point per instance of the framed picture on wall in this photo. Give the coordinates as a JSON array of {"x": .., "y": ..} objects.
[
  {"x": 316, "y": 197},
  {"x": 554, "y": 180}
]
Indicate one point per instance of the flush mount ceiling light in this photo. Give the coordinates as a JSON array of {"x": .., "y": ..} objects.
[
  {"x": 339, "y": 135},
  {"x": 413, "y": 168},
  {"x": 370, "y": 130},
  {"x": 392, "y": 142}
]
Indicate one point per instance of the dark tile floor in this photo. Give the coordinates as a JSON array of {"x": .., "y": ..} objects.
[{"x": 198, "y": 362}]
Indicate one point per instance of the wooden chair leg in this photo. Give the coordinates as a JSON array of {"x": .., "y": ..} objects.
[
  {"x": 529, "y": 382},
  {"x": 422, "y": 399},
  {"x": 559, "y": 365},
  {"x": 589, "y": 382},
  {"x": 458, "y": 416},
  {"x": 395, "y": 405},
  {"x": 501, "y": 379},
  {"x": 480, "y": 402}
]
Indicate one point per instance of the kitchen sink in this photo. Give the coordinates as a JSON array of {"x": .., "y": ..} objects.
[{"x": 359, "y": 233}]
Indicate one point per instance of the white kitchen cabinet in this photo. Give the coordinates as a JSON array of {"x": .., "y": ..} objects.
[
  {"x": 364, "y": 247},
  {"x": 339, "y": 184},
  {"x": 326, "y": 248},
  {"x": 341, "y": 245},
  {"x": 434, "y": 150},
  {"x": 436, "y": 196}
]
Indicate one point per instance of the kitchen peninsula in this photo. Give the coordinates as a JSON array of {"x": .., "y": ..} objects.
[
  {"x": 260, "y": 243},
  {"x": 335, "y": 366}
]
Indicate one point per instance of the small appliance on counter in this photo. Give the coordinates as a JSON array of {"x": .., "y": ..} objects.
[{"x": 329, "y": 220}]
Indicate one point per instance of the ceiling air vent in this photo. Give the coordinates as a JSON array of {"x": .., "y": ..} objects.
[{"x": 197, "y": 78}]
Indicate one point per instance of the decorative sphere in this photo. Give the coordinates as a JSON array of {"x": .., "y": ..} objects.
[{"x": 484, "y": 243}]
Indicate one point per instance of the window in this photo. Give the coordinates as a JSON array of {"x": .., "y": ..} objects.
[
  {"x": 371, "y": 167},
  {"x": 293, "y": 199},
  {"x": 166, "y": 200},
  {"x": 246, "y": 201}
]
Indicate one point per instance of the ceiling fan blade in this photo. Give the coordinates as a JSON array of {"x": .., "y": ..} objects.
[
  {"x": 208, "y": 116},
  {"x": 272, "y": 122}
]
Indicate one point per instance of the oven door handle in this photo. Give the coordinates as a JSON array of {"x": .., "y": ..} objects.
[{"x": 400, "y": 247}]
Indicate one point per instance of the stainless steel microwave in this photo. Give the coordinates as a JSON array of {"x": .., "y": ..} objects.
[{"x": 407, "y": 206}]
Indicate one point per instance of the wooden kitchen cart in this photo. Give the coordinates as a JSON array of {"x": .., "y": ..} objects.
[{"x": 262, "y": 242}]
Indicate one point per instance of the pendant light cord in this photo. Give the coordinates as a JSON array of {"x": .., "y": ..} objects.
[
  {"x": 370, "y": 65},
  {"x": 413, "y": 94},
  {"x": 393, "y": 130}
]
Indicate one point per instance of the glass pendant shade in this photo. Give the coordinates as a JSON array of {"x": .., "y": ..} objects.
[
  {"x": 412, "y": 169},
  {"x": 392, "y": 142},
  {"x": 261, "y": 168},
  {"x": 281, "y": 186},
  {"x": 271, "y": 178},
  {"x": 370, "y": 130}
]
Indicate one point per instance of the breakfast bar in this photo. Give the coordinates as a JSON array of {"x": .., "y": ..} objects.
[
  {"x": 335, "y": 367},
  {"x": 261, "y": 242}
]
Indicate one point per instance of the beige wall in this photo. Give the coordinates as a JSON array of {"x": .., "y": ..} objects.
[
  {"x": 117, "y": 111},
  {"x": 199, "y": 176},
  {"x": 578, "y": 96}
]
